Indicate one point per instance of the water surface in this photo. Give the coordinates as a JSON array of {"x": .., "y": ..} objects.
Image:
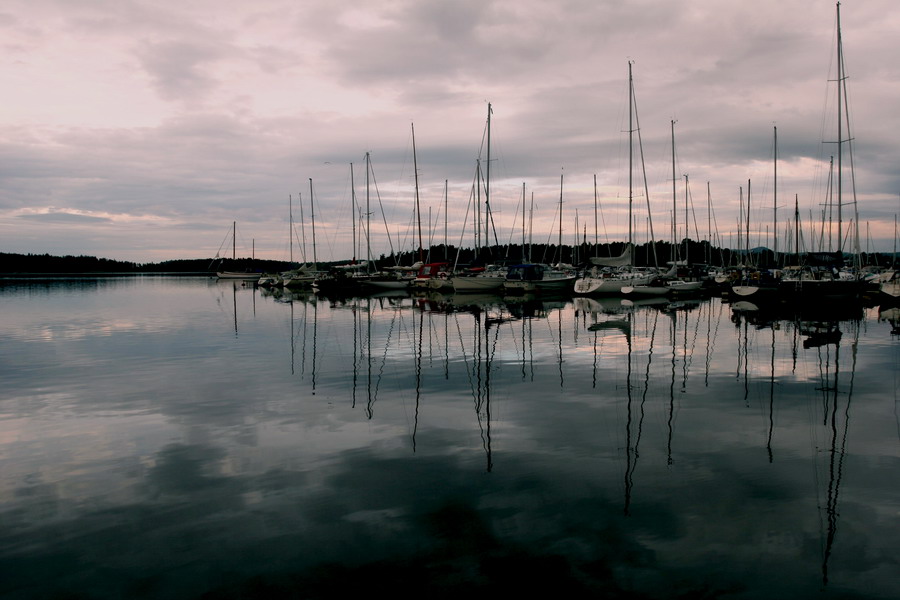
[{"x": 179, "y": 437}]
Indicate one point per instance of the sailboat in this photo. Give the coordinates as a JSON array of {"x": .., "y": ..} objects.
[
  {"x": 305, "y": 275},
  {"x": 530, "y": 277},
  {"x": 488, "y": 279},
  {"x": 245, "y": 275},
  {"x": 668, "y": 284},
  {"x": 598, "y": 282}
]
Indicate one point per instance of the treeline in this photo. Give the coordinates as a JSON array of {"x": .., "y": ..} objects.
[
  {"x": 45, "y": 263},
  {"x": 645, "y": 255}
]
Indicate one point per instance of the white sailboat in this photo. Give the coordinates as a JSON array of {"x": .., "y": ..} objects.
[{"x": 603, "y": 280}]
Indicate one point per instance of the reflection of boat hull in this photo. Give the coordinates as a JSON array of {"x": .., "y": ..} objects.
[
  {"x": 238, "y": 275},
  {"x": 598, "y": 305},
  {"x": 820, "y": 334},
  {"x": 812, "y": 289}
]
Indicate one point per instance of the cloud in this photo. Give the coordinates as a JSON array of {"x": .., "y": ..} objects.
[
  {"x": 63, "y": 217},
  {"x": 180, "y": 70}
]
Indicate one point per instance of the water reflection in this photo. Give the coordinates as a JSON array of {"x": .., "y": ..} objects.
[{"x": 236, "y": 440}]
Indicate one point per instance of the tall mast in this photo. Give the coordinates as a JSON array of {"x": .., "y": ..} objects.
[
  {"x": 747, "y": 221},
  {"x": 709, "y": 234},
  {"x": 353, "y": 212},
  {"x": 487, "y": 185},
  {"x": 740, "y": 231},
  {"x": 418, "y": 210},
  {"x": 686, "y": 188},
  {"x": 523, "y": 222},
  {"x": 674, "y": 220},
  {"x": 840, "y": 130},
  {"x": 630, "y": 156},
  {"x": 596, "y": 230},
  {"x": 234, "y": 240},
  {"x": 560, "y": 216},
  {"x": 312, "y": 209},
  {"x": 291, "y": 230},
  {"x": 775, "y": 202},
  {"x": 477, "y": 207},
  {"x": 302, "y": 225},
  {"x": 369, "y": 214}
]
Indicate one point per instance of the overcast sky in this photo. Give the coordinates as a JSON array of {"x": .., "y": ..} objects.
[{"x": 140, "y": 130}]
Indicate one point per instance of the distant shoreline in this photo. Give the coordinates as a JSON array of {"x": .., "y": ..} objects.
[{"x": 97, "y": 274}]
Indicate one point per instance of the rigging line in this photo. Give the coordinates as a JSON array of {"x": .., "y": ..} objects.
[
  {"x": 387, "y": 229},
  {"x": 637, "y": 123},
  {"x": 462, "y": 232}
]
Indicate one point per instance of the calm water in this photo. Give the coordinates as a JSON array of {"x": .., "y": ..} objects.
[{"x": 167, "y": 438}]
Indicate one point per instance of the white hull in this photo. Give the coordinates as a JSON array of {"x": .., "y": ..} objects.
[
  {"x": 608, "y": 285},
  {"x": 554, "y": 284},
  {"x": 477, "y": 284},
  {"x": 234, "y": 275},
  {"x": 891, "y": 289},
  {"x": 389, "y": 284},
  {"x": 433, "y": 284},
  {"x": 646, "y": 290},
  {"x": 680, "y": 287}
]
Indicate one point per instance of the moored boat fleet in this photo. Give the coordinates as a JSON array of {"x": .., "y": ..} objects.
[{"x": 789, "y": 285}]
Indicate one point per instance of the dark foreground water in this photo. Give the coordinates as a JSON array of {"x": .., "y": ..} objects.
[{"x": 182, "y": 438}]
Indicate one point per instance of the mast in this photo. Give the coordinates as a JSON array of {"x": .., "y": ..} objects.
[
  {"x": 775, "y": 203},
  {"x": 530, "y": 226},
  {"x": 840, "y": 134},
  {"x": 446, "y": 206},
  {"x": 477, "y": 207},
  {"x": 523, "y": 222},
  {"x": 740, "y": 230},
  {"x": 709, "y": 234},
  {"x": 234, "y": 240},
  {"x": 418, "y": 210},
  {"x": 291, "y": 230},
  {"x": 686, "y": 188},
  {"x": 312, "y": 208},
  {"x": 674, "y": 220},
  {"x": 596, "y": 230},
  {"x": 560, "y": 216},
  {"x": 369, "y": 214},
  {"x": 630, "y": 157},
  {"x": 487, "y": 186},
  {"x": 747, "y": 223},
  {"x": 302, "y": 225},
  {"x": 353, "y": 213}
]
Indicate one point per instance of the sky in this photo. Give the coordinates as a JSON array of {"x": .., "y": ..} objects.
[{"x": 141, "y": 131}]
